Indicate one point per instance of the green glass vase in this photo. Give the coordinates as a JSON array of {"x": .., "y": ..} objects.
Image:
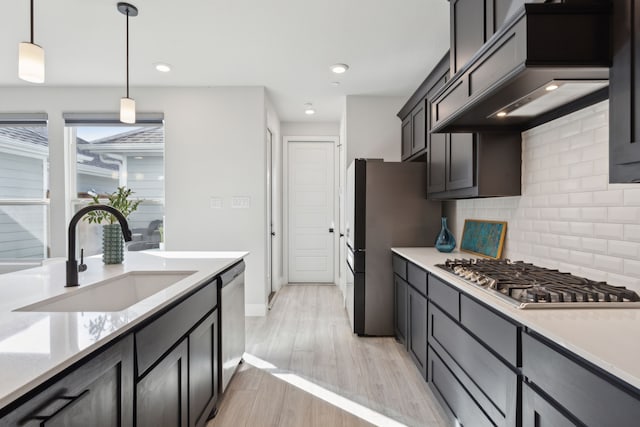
[{"x": 112, "y": 244}]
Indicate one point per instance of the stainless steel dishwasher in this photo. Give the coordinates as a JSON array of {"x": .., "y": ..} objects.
[{"x": 232, "y": 335}]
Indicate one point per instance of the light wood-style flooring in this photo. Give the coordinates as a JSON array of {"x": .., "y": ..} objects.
[{"x": 305, "y": 343}]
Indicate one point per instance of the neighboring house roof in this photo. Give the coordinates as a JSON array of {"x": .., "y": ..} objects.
[
  {"x": 144, "y": 135},
  {"x": 32, "y": 135}
]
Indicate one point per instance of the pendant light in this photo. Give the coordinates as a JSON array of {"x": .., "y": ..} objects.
[
  {"x": 31, "y": 59},
  {"x": 127, "y": 105}
]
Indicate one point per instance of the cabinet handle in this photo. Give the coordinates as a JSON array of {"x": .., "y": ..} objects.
[{"x": 71, "y": 400}]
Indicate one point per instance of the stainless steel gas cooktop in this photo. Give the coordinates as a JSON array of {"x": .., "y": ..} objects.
[{"x": 529, "y": 286}]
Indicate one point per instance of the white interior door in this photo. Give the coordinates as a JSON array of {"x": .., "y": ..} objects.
[
  {"x": 311, "y": 211},
  {"x": 270, "y": 228}
]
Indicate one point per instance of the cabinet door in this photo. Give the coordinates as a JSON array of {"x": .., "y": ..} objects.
[
  {"x": 407, "y": 134},
  {"x": 203, "y": 370},
  {"x": 624, "y": 94},
  {"x": 417, "y": 315},
  {"x": 400, "y": 314},
  {"x": 162, "y": 394},
  {"x": 537, "y": 412},
  {"x": 467, "y": 31},
  {"x": 460, "y": 161},
  {"x": 436, "y": 172},
  {"x": 419, "y": 127},
  {"x": 98, "y": 393}
]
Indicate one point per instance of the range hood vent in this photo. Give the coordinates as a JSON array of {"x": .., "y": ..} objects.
[{"x": 547, "y": 61}]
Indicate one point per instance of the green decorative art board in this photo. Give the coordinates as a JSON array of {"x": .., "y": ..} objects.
[{"x": 484, "y": 238}]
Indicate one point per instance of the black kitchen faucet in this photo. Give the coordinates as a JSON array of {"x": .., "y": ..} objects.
[{"x": 72, "y": 263}]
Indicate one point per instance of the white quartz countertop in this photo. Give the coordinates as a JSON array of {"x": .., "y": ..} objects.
[
  {"x": 608, "y": 338},
  {"x": 34, "y": 346}
]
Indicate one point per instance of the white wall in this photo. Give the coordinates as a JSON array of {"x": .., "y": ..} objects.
[
  {"x": 372, "y": 127},
  {"x": 310, "y": 128},
  {"x": 568, "y": 217},
  {"x": 214, "y": 148}
]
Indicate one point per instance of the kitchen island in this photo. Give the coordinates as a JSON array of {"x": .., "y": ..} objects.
[
  {"x": 43, "y": 345},
  {"x": 492, "y": 363}
]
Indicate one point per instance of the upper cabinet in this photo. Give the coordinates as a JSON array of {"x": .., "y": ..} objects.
[
  {"x": 473, "y": 22},
  {"x": 624, "y": 94},
  {"x": 517, "y": 64}
]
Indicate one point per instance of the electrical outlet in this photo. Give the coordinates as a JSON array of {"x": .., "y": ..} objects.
[
  {"x": 240, "y": 202},
  {"x": 215, "y": 203}
]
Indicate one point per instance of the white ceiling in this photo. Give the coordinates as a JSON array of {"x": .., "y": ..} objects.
[{"x": 284, "y": 45}]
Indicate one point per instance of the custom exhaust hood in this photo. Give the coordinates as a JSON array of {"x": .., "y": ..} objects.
[{"x": 546, "y": 61}]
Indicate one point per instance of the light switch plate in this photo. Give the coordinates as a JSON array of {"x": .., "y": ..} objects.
[{"x": 216, "y": 203}]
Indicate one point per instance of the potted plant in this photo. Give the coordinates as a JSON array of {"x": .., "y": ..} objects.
[{"x": 112, "y": 240}]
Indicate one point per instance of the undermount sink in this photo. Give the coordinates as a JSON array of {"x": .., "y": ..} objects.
[{"x": 114, "y": 294}]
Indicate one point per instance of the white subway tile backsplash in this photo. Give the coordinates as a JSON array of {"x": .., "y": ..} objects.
[
  {"x": 569, "y": 217},
  {"x": 623, "y": 214},
  {"x": 608, "y": 231},
  {"x": 632, "y": 268},
  {"x": 607, "y": 263},
  {"x": 631, "y": 232},
  {"x": 624, "y": 249},
  {"x": 632, "y": 197},
  {"x": 593, "y": 183},
  {"x": 608, "y": 198},
  {"x": 581, "y": 228},
  {"x": 579, "y": 198},
  {"x": 570, "y": 242},
  {"x": 594, "y": 214},
  {"x": 569, "y": 213},
  {"x": 581, "y": 169},
  {"x": 596, "y": 246}
]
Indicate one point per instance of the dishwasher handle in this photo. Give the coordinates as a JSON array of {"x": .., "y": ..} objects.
[{"x": 229, "y": 275}]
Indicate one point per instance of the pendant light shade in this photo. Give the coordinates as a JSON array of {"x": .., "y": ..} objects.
[
  {"x": 31, "y": 58},
  {"x": 127, "y": 110},
  {"x": 127, "y": 104},
  {"x": 31, "y": 62}
]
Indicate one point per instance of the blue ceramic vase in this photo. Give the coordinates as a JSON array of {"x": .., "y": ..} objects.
[{"x": 445, "y": 241}]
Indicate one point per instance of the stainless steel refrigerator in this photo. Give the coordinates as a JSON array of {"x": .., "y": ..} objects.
[{"x": 386, "y": 207}]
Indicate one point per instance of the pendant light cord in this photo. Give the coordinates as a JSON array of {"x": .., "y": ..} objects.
[
  {"x": 31, "y": 21},
  {"x": 127, "y": 52}
]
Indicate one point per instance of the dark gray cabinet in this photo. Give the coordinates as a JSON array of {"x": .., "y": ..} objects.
[
  {"x": 475, "y": 165},
  {"x": 417, "y": 334},
  {"x": 589, "y": 395},
  {"x": 203, "y": 370},
  {"x": 98, "y": 392},
  {"x": 537, "y": 411},
  {"x": 624, "y": 94},
  {"x": 467, "y": 31},
  {"x": 162, "y": 394},
  {"x": 400, "y": 290},
  {"x": 473, "y": 22},
  {"x": 414, "y": 132}
]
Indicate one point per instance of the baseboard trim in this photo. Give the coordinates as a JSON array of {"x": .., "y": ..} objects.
[{"x": 255, "y": 310}]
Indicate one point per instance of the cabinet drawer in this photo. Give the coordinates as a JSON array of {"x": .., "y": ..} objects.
[
  {"x": 157, "y": 338},
  {"x": 417, "y": 278},
  {"x": 400, "y": 266},
  {"x": 444, "y": 296},
  {"x": 478, "y": 367},
  {"x": 453, "y": 394},
  {"x": 590, "y": 397},
  {"x": 496, "y": 332}
]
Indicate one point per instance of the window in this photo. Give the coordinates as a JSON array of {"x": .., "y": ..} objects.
[
  {"x": 24, "y": 183},
  {"x": 107, "y": 156}
]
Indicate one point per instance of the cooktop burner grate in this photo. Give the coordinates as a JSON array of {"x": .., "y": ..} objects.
[{"x": 528, "y": 285}]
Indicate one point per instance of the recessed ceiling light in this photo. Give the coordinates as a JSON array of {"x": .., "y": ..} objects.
[
  {"x": 339, "y": 68},
  {"x": 335, "y": 83},
  {"x": 551, "y": 87},
  {"x": 163, "y": 68},
  {"x": 308, "y": 109},
  {"x": 502, "y": 114}
]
